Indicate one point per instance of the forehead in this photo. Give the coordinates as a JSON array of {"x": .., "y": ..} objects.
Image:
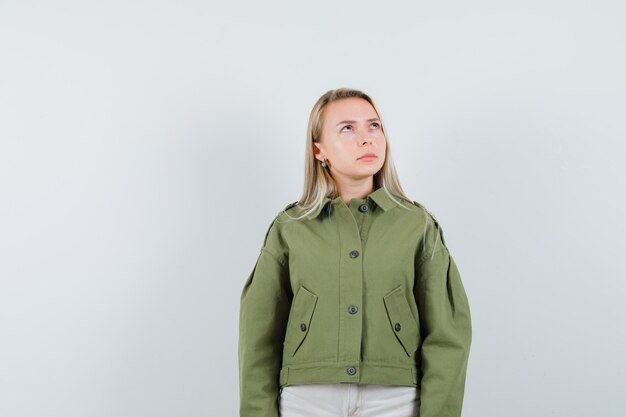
[{"x": 352, "y": 108}]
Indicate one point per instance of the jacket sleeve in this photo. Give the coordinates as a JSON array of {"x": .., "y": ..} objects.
[
  {"x": 264, "y": 310},
  {"x": 446, "y": 328}
]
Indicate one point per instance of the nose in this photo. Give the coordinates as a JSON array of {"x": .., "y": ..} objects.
[{"x": 365, "y": 138}]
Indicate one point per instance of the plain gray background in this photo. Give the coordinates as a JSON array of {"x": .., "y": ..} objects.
[{"x": 146, "y": 147}]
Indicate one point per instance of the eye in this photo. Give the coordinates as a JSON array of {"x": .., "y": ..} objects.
[
  {"x": 350, "y": 126},
  {"x": 376, "y": 124}
]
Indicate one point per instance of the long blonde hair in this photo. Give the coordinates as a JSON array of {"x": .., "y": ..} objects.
[{"x": 318, "y": 183}]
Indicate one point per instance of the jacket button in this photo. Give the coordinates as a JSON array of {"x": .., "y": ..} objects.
[
  {"x": 351, "y": 370},
  {"x": 303, "y": 327},
  {"x": 352, "y": 309},
  {"x": 354, "y": 253},
  {"x": 363, "y": 208},
  {"x": 397, "y": 327}
]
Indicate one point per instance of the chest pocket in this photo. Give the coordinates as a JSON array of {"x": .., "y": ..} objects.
[
  {"x": 302, "y": 309},
  {"x": 402, "y": 321}
]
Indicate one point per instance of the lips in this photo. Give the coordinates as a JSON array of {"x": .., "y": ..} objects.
[{"x": 367, "y": 155}]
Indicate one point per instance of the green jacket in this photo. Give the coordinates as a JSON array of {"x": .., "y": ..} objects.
[{"x": 366, "y": 293}]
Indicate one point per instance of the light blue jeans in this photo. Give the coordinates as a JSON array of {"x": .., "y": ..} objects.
[{"x": 348, "y": 400}]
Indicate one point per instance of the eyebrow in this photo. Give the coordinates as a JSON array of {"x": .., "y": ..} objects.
[{"x": 373, "y": 119}]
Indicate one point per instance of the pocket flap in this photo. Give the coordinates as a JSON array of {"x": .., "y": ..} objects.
[
  {"x": 402, "y": 321},
  {"x": 299, "y": 319}
]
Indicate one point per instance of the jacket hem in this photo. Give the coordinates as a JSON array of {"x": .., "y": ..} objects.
[{"x": 364, "y": 373}]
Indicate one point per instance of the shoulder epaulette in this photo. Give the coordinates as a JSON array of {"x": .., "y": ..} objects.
[
  {"x": 434, "y": 219},
  {"x": 290, "y": 205},
  {"x": 274, "y": 220}
]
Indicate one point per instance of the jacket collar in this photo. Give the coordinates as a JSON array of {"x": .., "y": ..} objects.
[{"x": 379, "y": 196}]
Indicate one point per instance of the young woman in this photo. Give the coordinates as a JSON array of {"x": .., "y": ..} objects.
[{"x": 355, "y": 306}]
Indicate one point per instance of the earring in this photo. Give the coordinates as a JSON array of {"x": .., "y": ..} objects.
[{"x": 324, "y": 164}]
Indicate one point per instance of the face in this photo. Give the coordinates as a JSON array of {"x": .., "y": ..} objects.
[{"x": 351, "y": 128}]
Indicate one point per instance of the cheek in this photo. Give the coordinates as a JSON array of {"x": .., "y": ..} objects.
[
  {"x": 381, "y": 142},
  {"x": 341, "y": 147}
]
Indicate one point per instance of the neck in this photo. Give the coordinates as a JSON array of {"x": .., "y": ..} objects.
[{"x": 355, "y": 190}]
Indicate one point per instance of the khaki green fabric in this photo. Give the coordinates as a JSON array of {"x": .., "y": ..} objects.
[{"x": 354, "y": 295}]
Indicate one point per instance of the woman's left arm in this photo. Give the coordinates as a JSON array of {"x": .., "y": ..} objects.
[{"x": 446, "y": 330}]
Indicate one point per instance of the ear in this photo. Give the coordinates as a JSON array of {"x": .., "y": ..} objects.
[{"x": 317, "y": 151}]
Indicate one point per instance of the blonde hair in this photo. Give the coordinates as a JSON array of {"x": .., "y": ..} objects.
[{"x": 318, "y": 183}]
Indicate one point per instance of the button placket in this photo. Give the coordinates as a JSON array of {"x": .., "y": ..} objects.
[
  {"x": 350, "y": 285},
  {"x": 361, "y": 210}
]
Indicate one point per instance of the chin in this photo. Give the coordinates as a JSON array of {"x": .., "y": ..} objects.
[{"x": 369, "y": 171}]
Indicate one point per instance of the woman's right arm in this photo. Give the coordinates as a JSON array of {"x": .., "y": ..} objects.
[{"x": 264, "y": 310}]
